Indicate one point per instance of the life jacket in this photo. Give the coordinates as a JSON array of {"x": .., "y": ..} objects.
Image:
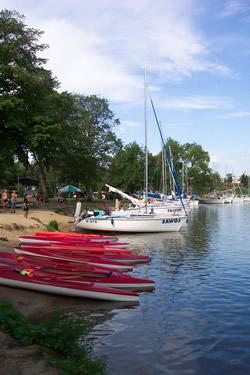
[{"x": 27, "y": 272}]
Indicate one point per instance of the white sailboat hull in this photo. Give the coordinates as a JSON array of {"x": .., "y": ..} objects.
[{"x": 134, "y": 224}]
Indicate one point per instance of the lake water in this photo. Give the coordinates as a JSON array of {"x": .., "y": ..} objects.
[{"x": 197, "y": 321}]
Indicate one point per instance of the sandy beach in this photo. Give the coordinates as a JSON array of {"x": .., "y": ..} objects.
[
  {"x": 12, "y": 225},
  {"x": 16, "y": 358}
]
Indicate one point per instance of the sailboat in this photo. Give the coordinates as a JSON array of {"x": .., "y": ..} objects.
[{"x": 136, "y": 221}]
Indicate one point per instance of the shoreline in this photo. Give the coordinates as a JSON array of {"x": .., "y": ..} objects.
[{"x": 12, "y": 225}]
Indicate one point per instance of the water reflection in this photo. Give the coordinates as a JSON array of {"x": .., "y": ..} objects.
[
  {"x": 197, "y": 320},
  {"x": 37, "y": 306}
]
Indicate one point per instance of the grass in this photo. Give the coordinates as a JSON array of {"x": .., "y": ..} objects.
[{"x": 61, "y": 340}]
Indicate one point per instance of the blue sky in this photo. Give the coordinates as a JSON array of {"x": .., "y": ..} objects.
[{"x": 197, "y": 53}]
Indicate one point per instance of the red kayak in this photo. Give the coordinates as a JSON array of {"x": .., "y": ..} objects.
[
  {"x": 124, "y": 257},
  {"x": 109, "y": 279},
  {"x": 96, "y": 261},
  {"x": 80, "y": 247},
  {"x": 59, "y": 264},
  {"x": 95, "y": 237},
  {"x": 23, "y": 278},
  {"x": 73, "y": 241}
]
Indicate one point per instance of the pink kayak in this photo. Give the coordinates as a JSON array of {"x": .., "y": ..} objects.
[
  {"x": 96, "y": 261},
  {"x": 94, "y": 237},
  {"x": 96, "y": 248},
  {"x": 101, "y": 279},
  {"x": 124, "y": 257},
  {"x": 73, "y": 241},
  {"x": 18, "y": 278}
]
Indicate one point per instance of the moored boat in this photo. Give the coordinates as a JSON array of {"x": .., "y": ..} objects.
[
  {"x": 144, "y": 223},
  {"x": 212, "y": 200}
]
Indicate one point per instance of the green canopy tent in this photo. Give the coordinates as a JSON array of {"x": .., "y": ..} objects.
[{"x": 69, "y": 189}]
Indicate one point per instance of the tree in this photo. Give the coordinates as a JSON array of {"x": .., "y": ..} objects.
[
  {"x": 94, "y": 143},
  {"x": 244, "y": 180},
  {"x": 34, "y": 117},
  {"x": 127, "y": 168},
  {"x": 19, "y": 70}
]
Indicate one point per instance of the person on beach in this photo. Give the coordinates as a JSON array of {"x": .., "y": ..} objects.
[
  {"x": 13, "y": 202},
  {"x": 41, "y": 199},
  {"x": 38, "y": 196},
  {"x": 5, "y": 199},
  {"x": 25, "y": 206}
]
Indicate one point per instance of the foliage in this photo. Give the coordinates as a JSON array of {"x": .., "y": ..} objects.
[
  {"x": 60, "y": 340},
  {"x": 33, "y": 115},
  {"x": 244, "y": 181},
  {"x": 94, "y": 142},
  {"x": 127, "y": 168},
  {"x": 52, "y": 226}
]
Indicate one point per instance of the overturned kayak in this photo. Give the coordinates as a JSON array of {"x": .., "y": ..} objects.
[
  {"x": 100, "y": 278},
  {"x": 96, "y": 248},
  {"x": 93, "y": 237},
  {"x": 25, "y": 279},
  {"x": 96, "y": 261},
  {"x": 72, "y": 241},
  {"x": 109, "y": 255},
  {"x": 57, "y": 264}
]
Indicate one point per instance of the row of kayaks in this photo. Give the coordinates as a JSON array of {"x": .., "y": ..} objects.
[{"x": 75, "y": 265}]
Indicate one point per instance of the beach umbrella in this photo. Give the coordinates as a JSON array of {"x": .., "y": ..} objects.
[{"x": 69, "y": 189}]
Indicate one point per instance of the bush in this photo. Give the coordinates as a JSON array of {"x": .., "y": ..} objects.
[
  {"x": 61, "y": 340},
  {"x": 52, "y": 226}
]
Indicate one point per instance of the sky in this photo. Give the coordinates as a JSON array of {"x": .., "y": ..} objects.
[{"x": 196, "y": 52}]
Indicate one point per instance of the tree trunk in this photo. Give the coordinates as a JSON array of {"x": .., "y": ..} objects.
[{"x": 42, "y": 178}]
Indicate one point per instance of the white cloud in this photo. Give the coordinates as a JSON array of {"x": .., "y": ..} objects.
[
  {"x": 240, "y": 114},
  {"x": 246, "y": 157},
  {"x": 127, "y": 126},
  {"x": 101, "y": 46},
  {"x": 234, "y": 7},
  {"x": 130, "y": 124},
  {"x": 195, "y": 102},
  {"x": 221, "y": 162}
]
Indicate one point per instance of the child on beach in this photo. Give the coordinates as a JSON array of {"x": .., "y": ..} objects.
[{"x": 25, "y": 206}]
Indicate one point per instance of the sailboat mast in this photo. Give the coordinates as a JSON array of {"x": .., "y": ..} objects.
[{"x": 146, "y": 138}]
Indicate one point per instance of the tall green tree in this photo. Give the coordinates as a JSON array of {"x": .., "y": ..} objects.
[
  {"x": 33, "y": 116},
  {"x": 94, "y": 142},
  {"x": 127, "y": 168}
]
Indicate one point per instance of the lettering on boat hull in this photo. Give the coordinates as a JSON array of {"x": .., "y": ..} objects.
[{"x": 170, "y": 221}]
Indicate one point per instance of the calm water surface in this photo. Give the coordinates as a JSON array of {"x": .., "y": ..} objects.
[{"x": 197, "y": 321}]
